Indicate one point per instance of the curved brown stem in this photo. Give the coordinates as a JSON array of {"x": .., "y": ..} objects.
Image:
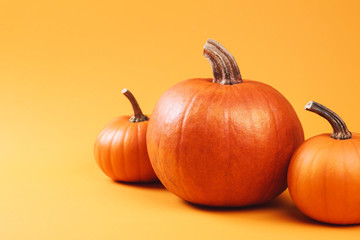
[
  {"x": 223, "y": 64},
  {"x": 138, "y": 115},
  {"x": 340, "y": 130}
]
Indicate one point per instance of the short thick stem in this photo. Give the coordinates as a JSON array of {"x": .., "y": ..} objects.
[
  {"x": 138, "y": 115},
  {"x": 340, "y": 129},
  {"x": 224, "y": 66}
]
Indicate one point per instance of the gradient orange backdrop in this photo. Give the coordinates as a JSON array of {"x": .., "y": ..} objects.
[{"x": 64, "y": 63}]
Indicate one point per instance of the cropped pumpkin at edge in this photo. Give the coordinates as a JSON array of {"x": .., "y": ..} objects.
[
  {"x": 224, "y": 141},
  {"x": 120, "y": 148},
  {"x": 324, "y": 173}
]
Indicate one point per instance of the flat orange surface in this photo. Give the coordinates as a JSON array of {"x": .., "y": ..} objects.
[{"x": 63, "y": 65}]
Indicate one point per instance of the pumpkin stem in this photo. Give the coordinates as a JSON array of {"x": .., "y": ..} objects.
[
  {"x": 340, "y": 130},
  {"x": 138, "y": 115},
  {"x": 224, "y": 67}
]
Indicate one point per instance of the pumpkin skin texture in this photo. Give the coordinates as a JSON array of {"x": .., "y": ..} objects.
[
  {"x": 223, "y": 145},
  {"x": 121, "y": 153},
  {"x": 324, "y": 179}
]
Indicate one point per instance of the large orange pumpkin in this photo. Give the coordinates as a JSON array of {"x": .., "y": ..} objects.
[
  {"x": 224, "y": 141},
  {"x": 120, "y": 148},
  {"x": 324, "y": 173}
]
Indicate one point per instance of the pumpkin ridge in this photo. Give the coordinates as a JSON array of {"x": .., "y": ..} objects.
[
  {"x": 242, "y": 99},
  {"x": 100, "y": 151},
  {"x": 357, "y": 153},
  {"x": 97, "y": 148},
  {"x": 297, "y": 164},
  {"x": 325, "y": 172},
  {"x": 159, "y": 163},
  {"x": 356, "y": 149},
  {"x": 228, "y": 130},
  {"x": 138, "y": 153},
  {"x": 300, "y": 165},
  {"x": 275, "y": 121},
  {"x": 211, "y": 102},
  {"x": 344, "y": 188},
  {"x": 326, "y": 188},
  {"x": 186, "y": 112},
  {"x": 111, "y": 157},
  {"x": 230, "y": 138},
  {"x": 123, "y": 150},
  {"x": 313, "y": 162},
  {"x": 108, "y": 169}
]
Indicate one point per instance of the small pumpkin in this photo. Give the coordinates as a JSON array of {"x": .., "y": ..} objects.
[
  {"x": 223, "y": 141},
  {"x": 120, "y": 148},
  {"x": 324, "y": 173}
]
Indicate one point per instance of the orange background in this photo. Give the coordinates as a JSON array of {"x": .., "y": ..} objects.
[{"x": 64, "y": 63}]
